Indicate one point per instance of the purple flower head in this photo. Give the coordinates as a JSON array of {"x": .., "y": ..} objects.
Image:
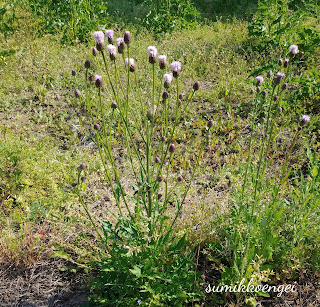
[
  {"x": 127, "y": 37},
  {"x": 96, "y": 127},
  {"x": 259, "y": 80},
  {"x": 87, "y": 64},
  {"x": 279, "y": 77},
  {"x": 293, "y": 50},
  {"x": 162, "y": 61},
  {"x": 176, "y": 68},
  {"x": 196, "y": 86},
  {"x": 99, "y": 38},
  {"x": 98, "y": 80},
  {"x": 131, "y": 63},
  {"x": 167, "y": 79},
  {"x": 77, "y": 93},
  {"x": 152, "y": 53},
  {"x": 120, "y": 44},
  {"x": 112, "y": 52},
  {"x": 305, "y": 119},
  {"x": 109, "y": 34},
  {"x": 286, "y": 63},
  {"x": 82, "y": 166},
  {"x": 159, "y": 179},
  {"x": 180, "y": 178}
]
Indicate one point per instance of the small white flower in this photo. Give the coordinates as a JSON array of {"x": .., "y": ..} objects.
[
  {"x": 162, "y": 61},
  {"x": 167, "y": 79},
  {"x": 119, "y": 41},
  {"x": 152, "y": 51},
  {"x": 112, "y": 50},
  {"x": 176, "y": 66},
  {"x": 293, "y": 49},
  {"x": 129, "y": 61},
  {"x": 99, "y": 37}
]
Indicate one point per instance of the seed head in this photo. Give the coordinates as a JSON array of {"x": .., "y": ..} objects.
[
  {"x": 162, "y": 59},
  {"x": 196, "y": 86},
  {"x": 98, "y": 80},
  {"x": 152, "y": 53},
  {"x": 120, "y": 44},
  {"x": 77, "y": 93},
  {"x": 87, "y": 64},
  {"x": 114, "y": 105},
  {"x": 176, "y": 68},
  {"x": 172, "y": 148},
  {"x": 131, "y": 63},
  {"x": 127, "y": 37},
  {"x": 305, "y": 119},
  {"x": 99, "y": 38},
  {"x": 112, "y": 52},
  {"x": 167, "y": 79},
  {"x": 109, "y": 34},
  {"x": 293, "y": 50}
]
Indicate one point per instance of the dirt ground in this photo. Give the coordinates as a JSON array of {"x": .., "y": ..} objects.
[{"x": 41, "y": 284}]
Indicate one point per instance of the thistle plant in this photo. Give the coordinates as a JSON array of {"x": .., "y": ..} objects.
[
  {"x": 147, "y": 128},
  {"x": 259, "y": 204}
]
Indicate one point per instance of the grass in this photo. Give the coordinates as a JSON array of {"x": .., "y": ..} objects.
[{"x": 42, "y": 143}]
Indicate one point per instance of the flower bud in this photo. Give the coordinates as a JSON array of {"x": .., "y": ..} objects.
[
  {"x": 301, "y": 54},
  {"x": 94, "y": 51},
  {"x": 91, "y": 78},
  {"x": 82, "y": 166},
  {"x": 131, "y": 63},
  {"x": 98, "y": 80},
  {"x": 279, "y": 77},
  {"x": 167, "y": 79},
  {"x": 120, "y": 44},
  {"x": 259, "y": 80},
  {"x": 251, "y": 91},
  {"x": 112, "y": 52},
  {"x": 152, "y": 53},
  {"x": 275, "y": 98},
  {"x": 73, "y": 72},
  {"x": 163, "y": 139},
  {"x": 284, "y": 86},
  {"x": 258, "y": 89},
  {"x": 165, "y": 95},
  {"x": 280, "y": 62},
  {"x": 159, "y": 179},
  {"x": 179, "y": 178},
  {"x": 157, "y": 160},
  {"x": 114, "y": 105},
  {"x": 172, "y": 148},
  {"x": 87, "y": 64},
  {"x": 83, "y": 179},
  {"x": 99, "y": 38},
  {"x": 162, "y": 59},
  {"x": 181, "y": 96},
  {"x": 96, "y": 127},
  {"x": 127, "y": 37},
  {"x": 264, "y": 94},
  {"x": 293, "y": 50},
  {"x": 77, "y": 93},
  {"x": 196, "y": 86},
  {"x": 286, "y": 63},
  {"x": 210, "y": 123},
  {"x": 269, "y": 74},
  {"x": 148, "y": 188}
]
